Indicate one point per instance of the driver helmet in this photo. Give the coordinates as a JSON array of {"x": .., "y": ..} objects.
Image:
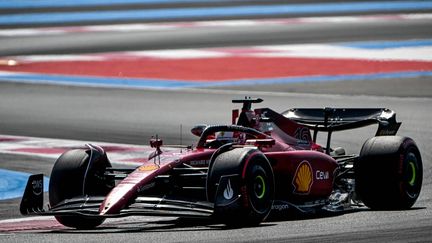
[{"x": 226, "y": 137}]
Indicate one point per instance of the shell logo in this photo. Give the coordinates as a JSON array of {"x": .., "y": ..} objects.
[{"x": 303, "y": 178}]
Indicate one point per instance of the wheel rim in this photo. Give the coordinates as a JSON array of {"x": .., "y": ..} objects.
[
  {"x": 259, "y": 187},
  {"x": 413, "y": 173},
  {"x": 412, "y": 179}
]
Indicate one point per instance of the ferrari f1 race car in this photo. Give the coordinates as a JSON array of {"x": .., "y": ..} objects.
[{"x": 264, "y": 162}]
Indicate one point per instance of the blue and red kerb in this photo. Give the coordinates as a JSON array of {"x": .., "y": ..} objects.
[
  {"x": 218, "y": 69},
  {"x": 196, "y": 72}
]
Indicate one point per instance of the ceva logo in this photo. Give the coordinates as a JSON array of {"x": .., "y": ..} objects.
[{"x": 303, "y": 178}]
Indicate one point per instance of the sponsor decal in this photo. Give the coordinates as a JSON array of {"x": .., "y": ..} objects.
[
  {"x": 148, "y": 167},
  {"x": 266, "y": 127},
  {"x": 245, "y": 196},
  {"x": 401, "y": 164},
  {"x": 199, "y": 162},
  {"x": 228, "y": 192},
  {"x": 280, "y": 207},
  {"x": 303, "y": 178},
  {"x": 302, "y": 142},
  {"x": 303, "y": 135},
  {"x": 145, "y": 187},
  {"x": 322, "y": 175},
  {"x": 387, "y": 132},
  {"x": 388, "y": 129},
  {"x": 37, "y": 186},
  {"x": 314, "y": 203}
]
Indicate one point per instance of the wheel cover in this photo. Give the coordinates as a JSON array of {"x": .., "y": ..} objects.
[
  {"x": 413, "y": 173},
  {"x": 411, "y": 180},
  {"x": 259, "y": 187}
]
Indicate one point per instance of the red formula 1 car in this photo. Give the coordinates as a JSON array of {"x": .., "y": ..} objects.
[{"x": 265, "y": 162}]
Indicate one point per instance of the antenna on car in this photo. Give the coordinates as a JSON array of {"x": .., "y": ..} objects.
[
  {"x": 181, "y": 138},
  {"x": 155, "y": 143}
]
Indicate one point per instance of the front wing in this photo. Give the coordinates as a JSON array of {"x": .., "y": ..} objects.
[{"x": 88, "y": 206}]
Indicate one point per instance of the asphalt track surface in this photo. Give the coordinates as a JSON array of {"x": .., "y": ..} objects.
[{"x": 133, "y": 116}]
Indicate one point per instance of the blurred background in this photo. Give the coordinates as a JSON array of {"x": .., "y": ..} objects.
[{"x": 381, "y": 48}]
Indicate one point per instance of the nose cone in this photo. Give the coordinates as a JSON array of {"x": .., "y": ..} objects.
[
  {"x": 116, "y": 199},
  {"x": 108, "y": 208}
]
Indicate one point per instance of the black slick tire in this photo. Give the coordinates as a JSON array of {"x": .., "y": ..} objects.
[
  {"x": 255, "y": 186},
  {"x": 389, "y": 173},
  {"x": 67, "y": 178}
]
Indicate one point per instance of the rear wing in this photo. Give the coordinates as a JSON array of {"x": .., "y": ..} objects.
[{"x": 338, "y": 119}]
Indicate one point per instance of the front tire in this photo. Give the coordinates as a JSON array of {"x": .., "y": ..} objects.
[
  {"x": 253, "y": 182},
  {"x": 67, "y": 181},
  {"x": 389, "y": 173}
]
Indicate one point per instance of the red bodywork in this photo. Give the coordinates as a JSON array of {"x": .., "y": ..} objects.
[{"x": 303, "y": 172}]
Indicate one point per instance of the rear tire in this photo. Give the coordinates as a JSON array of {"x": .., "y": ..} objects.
[
  {"x": 389, "y": 173},
  {"x": 255, "y": 186},
  {"x": 67, "y": 178}
]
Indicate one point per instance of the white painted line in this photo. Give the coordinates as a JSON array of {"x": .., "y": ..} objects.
[
  {"x": 27, "y": 219},
  {"x": 419, "y": 53},
  {"x": 179, "y": 54},
  {"x": 60, "y": 58},
  {"x": 332, "y": 51}
]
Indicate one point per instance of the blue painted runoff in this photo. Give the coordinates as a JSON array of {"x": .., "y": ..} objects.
[
  {"x": 174, "y": 84},
  {"x": 319, "y": 79},
  {"x": 17, "y": 4},
  {"x": 93, "y": 81},
  {"x": 388, "y": 44},
  {"x": 13, "y": 183},
  {"x": 236, "y": 11}
]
